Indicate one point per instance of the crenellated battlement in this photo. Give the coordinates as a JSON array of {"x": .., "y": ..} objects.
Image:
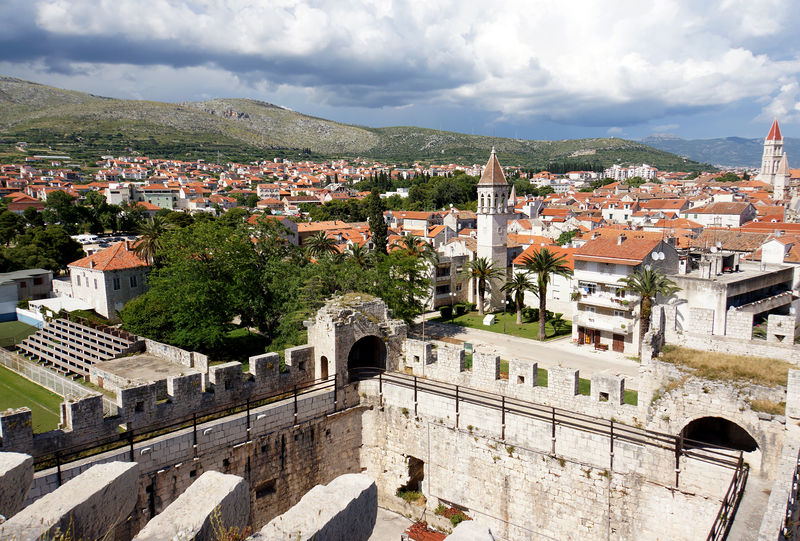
[
  {"x": 141, "y": 406},
  {"x": 448, "y": 363}
]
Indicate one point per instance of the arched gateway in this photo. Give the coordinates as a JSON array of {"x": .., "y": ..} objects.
[{"x": 719, "y": 432}]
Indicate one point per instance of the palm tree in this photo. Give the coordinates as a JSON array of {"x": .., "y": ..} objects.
[
  {"x": 320, "y": 244},
  {"x": 517, "y": 286},
  {"x": 484, "y": 270},
  {"x": 360, "y": 255},
  {"x": 414, "y": 246},
  {"x": 150, "y": 242},
  {"x": 545, "y": 263},
  {"x": 648, "y": 284}
]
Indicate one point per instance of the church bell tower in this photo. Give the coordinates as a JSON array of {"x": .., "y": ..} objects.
[{"x": 493, "y": 225}]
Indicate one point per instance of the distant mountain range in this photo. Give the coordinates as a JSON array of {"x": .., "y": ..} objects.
[
  {"x": 53, "y": 120},
  {"x": 726, "y": 151}
]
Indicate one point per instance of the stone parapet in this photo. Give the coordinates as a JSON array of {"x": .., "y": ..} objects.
[{"x": 16, "y": 476}]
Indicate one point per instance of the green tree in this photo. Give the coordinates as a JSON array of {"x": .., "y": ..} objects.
[
  {"x": 484, "y": 271},
  {"x": 545, "y": 263},
  {"x": 377, "y": 224},
  {"x": 48, "y": 247},
  {"x": 149, "y": 243},
  {"x": 517, "y": 286},
  {"x": 60, "y": 209},
  {"x": 566, "y": 237},
  {"x": 10, "y": 226},
  {"x": 359, "y": 255},
  {"x": 320, "y": 244},
  {"x": 413, "y": 246},
  {"x": 648, "y": 284}
]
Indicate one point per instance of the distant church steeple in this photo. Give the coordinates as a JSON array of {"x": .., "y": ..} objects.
[
  {"x": 774, "y": 167},
  {"x": 493, "y": 223}
]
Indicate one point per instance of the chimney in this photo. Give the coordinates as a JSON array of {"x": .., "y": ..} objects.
[
  {"x": 621, "y": 239},
  {"x": 595, "y": 235},
  {"x": 91, "y": 263}
]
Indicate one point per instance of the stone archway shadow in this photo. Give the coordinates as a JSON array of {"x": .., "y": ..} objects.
[
  {"x": 368, "y": 352},
  {"x": 720, "y": 433}
]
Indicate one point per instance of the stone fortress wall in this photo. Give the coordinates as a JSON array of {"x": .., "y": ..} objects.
[{"x": 506, "y": 469}]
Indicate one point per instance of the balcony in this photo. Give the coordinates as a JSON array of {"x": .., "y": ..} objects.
[
  {"x": 608, "y": 300},
  {"x": 611, "y": 324}
]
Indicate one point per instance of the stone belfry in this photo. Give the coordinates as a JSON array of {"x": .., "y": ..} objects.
[
  {"x": 771, "y": 170},
  {"x": 493, "y": 225}
]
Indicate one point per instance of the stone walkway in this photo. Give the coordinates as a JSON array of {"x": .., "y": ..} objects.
[
  {"x": 547, "y": 354},
  {"x": 751, "y": 509},
  {"x": 389, "y": 526}
]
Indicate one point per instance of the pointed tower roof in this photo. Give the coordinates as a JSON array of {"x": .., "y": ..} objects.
[
  {"x": 775, "y": 132},
  {"x": 783, "y": 167},
  {"x": 512, "y": 199},
  {"x": 493, "y": 173}
]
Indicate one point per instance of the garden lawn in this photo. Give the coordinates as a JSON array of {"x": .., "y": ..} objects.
[
  {"x": 16, "y": 391},
  {"x": 506, "y": 323}
]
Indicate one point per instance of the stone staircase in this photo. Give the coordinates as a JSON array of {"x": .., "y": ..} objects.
[{"x": 72, "y": 348}]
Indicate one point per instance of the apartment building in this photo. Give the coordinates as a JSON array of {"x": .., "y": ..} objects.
[{"x": 607, "y": 316}]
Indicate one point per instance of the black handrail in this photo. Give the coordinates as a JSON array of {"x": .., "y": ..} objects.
[
  {"x": 595, "y": 425},
  {"x": 80, "y": 451},
  {"x": 791, "y": 526},
  {"x": 727, "y": 511}
]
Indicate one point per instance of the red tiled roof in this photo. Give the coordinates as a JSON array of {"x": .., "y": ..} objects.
[
  {"x": 774, "y": 132},
  {"x": 630, "y": 251},
  {"x": 117, "y": 257},
  {"x": 567, "y": 253}
]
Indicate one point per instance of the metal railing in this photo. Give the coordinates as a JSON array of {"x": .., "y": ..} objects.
[
  {"x": 727, "y": 511},
  {"x": 132, "y": 436},
  {"x": 791, "y": 526},
  {"x": 616, "y": 431}
]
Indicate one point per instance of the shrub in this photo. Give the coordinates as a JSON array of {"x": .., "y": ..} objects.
[
  {"x": 446, "y": 312},
  {"x": 470, "y": 306},
  {"x": 460, "y": 309},
  {"x": 530, "y": 314}
]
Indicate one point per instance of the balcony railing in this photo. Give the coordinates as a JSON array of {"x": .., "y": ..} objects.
[
  {"x": 607, "y": 300},
  {"x": 614, "y": 325}
]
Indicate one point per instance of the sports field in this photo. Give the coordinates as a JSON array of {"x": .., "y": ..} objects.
[
  {"x": 12, "y": 332},
  {"x": 16, "y": 391}
]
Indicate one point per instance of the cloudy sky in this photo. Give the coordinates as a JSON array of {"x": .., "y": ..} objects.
[{"x": 517, "y": 68}]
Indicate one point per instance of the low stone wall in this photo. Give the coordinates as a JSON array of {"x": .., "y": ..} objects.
[
  {"x": 91, "y": 505},
  {"x": 775, "y": 512},
  {"x": 191, "y": 359},
  {"x": 213, "y": 504},
  {"x": 346, "y": 508}
]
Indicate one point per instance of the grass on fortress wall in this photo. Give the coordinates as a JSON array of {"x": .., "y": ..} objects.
[
  {"x": 724, "y": 366},
  {"x": 17, "y": 391}
]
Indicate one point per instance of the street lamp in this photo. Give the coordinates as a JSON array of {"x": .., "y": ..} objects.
[{"x": 452, "y": 300}]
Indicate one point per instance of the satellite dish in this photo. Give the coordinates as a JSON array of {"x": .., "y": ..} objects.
[
  {"x": 719, "y": 244},
  {"x": 654, "y": 256},
  {"x": 661, "y": 256},
  {"x": 714, "y": 249}
]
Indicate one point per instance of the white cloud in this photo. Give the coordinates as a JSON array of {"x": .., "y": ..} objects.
[{"x": 580, "y": 62}]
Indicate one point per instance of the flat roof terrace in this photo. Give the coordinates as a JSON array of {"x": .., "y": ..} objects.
[
  {"x": 747, "y": 271},
  {"x": 136, "y": 369}
]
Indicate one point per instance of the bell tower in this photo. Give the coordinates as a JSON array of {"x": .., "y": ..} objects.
[{"x": 493, "y": 224}]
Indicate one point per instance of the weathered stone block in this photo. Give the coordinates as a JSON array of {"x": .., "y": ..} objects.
[
  {"x": 701, "y": 321},
  {"x": 524, "y": 373},
  {"x": 90, "y": 505},
  {"x": 781, "y": 329},
  {"x": 608, "y": 388},
  {"x": 16, "y": 430},
  {"x": 16, "y": 476},
  {"x": 485, "y": 367},
  {"x": 563, "y": 381},
  {"x": 793, "y": 395},
  {"x": 345, "y": 510},
  {"x": 215, "y": 503}
]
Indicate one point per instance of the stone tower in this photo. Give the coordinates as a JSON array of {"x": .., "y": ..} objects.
[
  {"x": 493, "y": 224},
  {"x": 771, "y": 160}
]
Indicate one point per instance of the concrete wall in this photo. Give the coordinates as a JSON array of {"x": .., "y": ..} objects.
[{"x": 16, "y": 476}]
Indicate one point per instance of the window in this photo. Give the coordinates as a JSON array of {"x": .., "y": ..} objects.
[
  {"x": 591, "y": 289},
  {"x": 133, "y": 281},
  {"x": 591, "y": 309},
  {"x": 78, "y": 280},
  {"x": 95, "y": 283},
  {"x": 38, "y": 281},
  {"x": 116, "y": 283},
  {"x": 23, "y": 285},
  {"x": 619, "y": 313}
]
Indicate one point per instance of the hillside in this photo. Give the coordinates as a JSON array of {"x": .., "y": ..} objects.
[
  {"x": 726, "y": 151},
  {"x": 84, "y": 126}
]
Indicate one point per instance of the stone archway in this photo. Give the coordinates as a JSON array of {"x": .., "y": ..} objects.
[
  {"x": 367, "y": 352},
  {"x": 719, "y": 432}
]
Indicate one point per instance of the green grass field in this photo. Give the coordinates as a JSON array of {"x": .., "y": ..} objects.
[
  {"x": 14, "y": 331},
  {"x": 16, "y": 391},
  {"x": 506, "y": 323}
]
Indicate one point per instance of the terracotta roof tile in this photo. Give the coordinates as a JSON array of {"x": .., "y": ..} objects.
[{"x": 117, "y": 257}]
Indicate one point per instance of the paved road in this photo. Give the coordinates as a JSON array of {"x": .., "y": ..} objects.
[{"x": 553, "y": 353}]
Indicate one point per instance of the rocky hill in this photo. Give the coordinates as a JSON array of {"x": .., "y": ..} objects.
[{"x": 84, "y": 126}]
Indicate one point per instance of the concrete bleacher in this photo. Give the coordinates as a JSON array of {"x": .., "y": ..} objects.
[{"x": 72, "y": 348}]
